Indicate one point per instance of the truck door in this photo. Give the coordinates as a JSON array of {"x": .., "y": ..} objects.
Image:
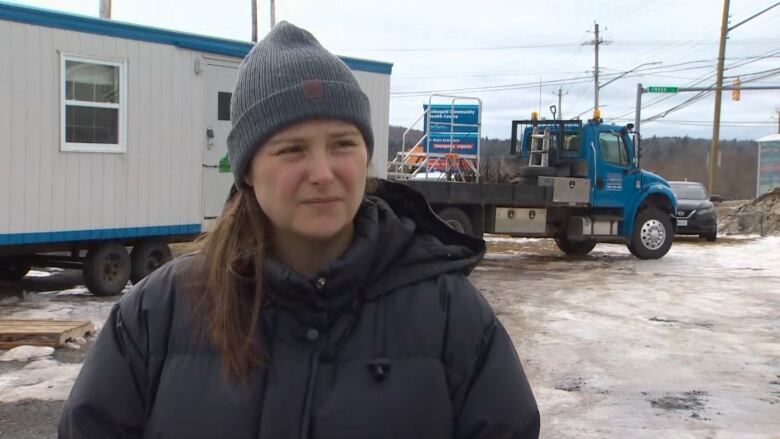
[{"x": 615, "y": 176}]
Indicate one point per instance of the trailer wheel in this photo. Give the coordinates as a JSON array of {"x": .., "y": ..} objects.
[
  {"x": 456, "y": 219},
  {"x": 574, "y": 248},
  {"x": 147, "y": 257},
  {"x": 653, "y": 232},
  {"x": 11, "y": 270},
  {"x": 107, "y": 269}
]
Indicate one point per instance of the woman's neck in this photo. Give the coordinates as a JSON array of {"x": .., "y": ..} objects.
[{"x": 307, "y": 256}]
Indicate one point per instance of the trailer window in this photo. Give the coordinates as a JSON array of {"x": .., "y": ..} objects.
[
  {"x": 223, "y": 105},
  {"x": 613, "y": 149},
  {"x": 93, "y": 105}
]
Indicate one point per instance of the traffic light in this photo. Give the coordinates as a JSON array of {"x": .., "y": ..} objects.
[{"x": 735, "y": 90}]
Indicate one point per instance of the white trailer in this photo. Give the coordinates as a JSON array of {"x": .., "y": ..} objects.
[{"x": 113, "y": 135}]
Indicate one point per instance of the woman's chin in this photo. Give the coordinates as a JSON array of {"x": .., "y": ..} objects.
[{"x": 321, "y": 231}]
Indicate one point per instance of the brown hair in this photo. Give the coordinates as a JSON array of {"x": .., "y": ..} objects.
[{"x": 230, "y": 273}]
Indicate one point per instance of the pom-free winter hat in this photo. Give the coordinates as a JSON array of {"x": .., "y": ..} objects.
[{"x": 288, "y": 77}]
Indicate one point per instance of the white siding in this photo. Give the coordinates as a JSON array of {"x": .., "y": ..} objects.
[
  {"x": 377, "y": 87},
  {"x": 156, "y": 182},
  {"x": 5, "y": 129}
]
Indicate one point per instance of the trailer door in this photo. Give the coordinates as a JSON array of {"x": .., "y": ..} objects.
[{"x": 217, "y": 177}]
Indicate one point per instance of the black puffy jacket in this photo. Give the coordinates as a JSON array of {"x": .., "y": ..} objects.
[{"x": 389, "y": 341}]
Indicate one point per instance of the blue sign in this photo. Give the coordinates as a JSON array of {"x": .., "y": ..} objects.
[
  {"x": 443, "y": 143},
  {"x": 465, "y": 119}
]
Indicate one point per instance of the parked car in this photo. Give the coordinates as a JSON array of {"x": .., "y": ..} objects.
[{"x": 695, "y": 210}]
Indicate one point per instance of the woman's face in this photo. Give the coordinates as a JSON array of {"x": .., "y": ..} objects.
[{"x": 310, "y": 178}]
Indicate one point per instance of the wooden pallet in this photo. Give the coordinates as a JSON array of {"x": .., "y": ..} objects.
[{"x": 52, "y": 333}]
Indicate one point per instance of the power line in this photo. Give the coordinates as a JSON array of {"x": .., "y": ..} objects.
[
  {"x": 751, "y": 59},
  {"x": 700, "y": 42}
]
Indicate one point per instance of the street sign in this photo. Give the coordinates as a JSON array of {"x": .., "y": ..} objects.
[{"x": 662, "y": 89}]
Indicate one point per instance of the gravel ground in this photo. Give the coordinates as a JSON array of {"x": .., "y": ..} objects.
[{"x": 686, "y": 347}]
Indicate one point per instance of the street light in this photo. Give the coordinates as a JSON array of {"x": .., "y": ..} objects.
[{"x": 627, "y": 72}]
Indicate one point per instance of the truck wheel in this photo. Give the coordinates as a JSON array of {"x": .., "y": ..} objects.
[
  {"x": 575, "y": 248},
  {"x": 711, "y": 237},
  {"x": 147, "y": 257},
  {"x": 652, "y": 237},
  {"x": 11, "y": 270},
  {"x": 456, "y": 219},
  {"x": 107, "y": 269}
]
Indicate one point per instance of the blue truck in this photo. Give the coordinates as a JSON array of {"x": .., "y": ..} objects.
[{"x": 577, "y": 182}]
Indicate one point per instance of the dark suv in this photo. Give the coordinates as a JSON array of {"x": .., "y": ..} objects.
[{"x": 695, "y": 212}]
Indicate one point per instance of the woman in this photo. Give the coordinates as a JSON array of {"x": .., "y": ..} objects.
[{"x": 312, "y": 310}]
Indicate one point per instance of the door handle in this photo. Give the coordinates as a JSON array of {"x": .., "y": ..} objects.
[{"x": 210, "y": 138}]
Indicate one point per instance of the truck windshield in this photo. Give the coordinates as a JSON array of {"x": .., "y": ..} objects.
[{"x": 689, "y": 191}]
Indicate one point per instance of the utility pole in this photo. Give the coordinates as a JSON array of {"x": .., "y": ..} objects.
[
  {"x": 597, "y": 41},
  {"x": 254, "y": 21},
  {"x": 539, "y": 108},
  {"x": 560, "y": 102},
  {"x": 596, "y": 67},
  {"x": 724, "y": 28},
  {"x": 105, "y": 9},
  {"x": 273, "y": 13}
]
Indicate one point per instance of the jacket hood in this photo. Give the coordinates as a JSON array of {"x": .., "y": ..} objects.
[{"x": 398, "y": 241}]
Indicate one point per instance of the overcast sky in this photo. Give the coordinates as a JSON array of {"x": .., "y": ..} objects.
[{"x": 499, "y": 51}]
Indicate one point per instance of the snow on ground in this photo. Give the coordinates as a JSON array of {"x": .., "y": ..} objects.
[
  {"x": 48, "y": 379},
  {"x": 26, "y": 353},
  {"x": 41, "y": 379},
  {"x": 684, "y": 346}
]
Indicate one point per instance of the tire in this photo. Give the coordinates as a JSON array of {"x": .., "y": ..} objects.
[
  {"x": 107, "y": 269},
  {"x": 456, "y": 219},
  {"x": 147, "y": 257},
  {"x": 711, "y": 237},
  {"x": 537, "y": 171},
  {"x": 11, "y": 270},
  {"x": 653, "y": 234},
  {"x": 574, "y": 248}
]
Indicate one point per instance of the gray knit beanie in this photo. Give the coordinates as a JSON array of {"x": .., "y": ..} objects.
[{"x": 288, "y": 77}]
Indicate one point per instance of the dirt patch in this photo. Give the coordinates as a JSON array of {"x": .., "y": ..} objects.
[
  {"x": 760, "y": 216},
  {"x": 693, "y": 401},
  {"x": 678, "y": 322},
  {"x": 570, "y": 384}
]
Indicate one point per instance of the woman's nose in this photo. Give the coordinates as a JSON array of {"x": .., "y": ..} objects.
[{"x": 320, "y": 168}]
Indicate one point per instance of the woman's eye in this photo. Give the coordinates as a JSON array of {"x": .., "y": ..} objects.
[
  {"x": 346, "y": 144},
  {"x": 293, "y": 149}
]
